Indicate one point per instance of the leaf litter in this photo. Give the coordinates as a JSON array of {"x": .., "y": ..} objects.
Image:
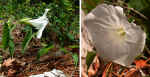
[{"x": 26, "y": 65}]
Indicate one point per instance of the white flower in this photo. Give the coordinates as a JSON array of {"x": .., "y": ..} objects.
[
  {"x": 53, "y": 73},
  {"x": 39, "y": 23},
  {"x": 114, "y": 38}
]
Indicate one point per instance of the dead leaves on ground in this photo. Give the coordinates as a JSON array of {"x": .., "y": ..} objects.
[
  {"x": 12, "y": 66},
  {"x": 27, "y": 65},
  {"x": 8, "y": 62},
  {"x": 142, "y": 63},
  {"x": 94, "y": 67},
  {"x": 115, "y": 70}
]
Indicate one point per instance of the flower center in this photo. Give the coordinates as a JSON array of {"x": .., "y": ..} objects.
[{"x": 121, "y": 32}]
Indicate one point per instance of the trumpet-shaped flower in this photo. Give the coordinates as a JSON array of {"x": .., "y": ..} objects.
[
  {"x": 39, "y": 23},
  {"x": 114, "y": 38}
]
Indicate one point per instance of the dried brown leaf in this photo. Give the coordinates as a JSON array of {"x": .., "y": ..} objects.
[
  {"x": 94, "y": 67},
  {"x": 11, "y": 73},
  {"x": 106, "y": 69},
  {"x": 8, "y": 62}
]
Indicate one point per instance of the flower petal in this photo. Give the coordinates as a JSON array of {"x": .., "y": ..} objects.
[
  {"x": 113, "y": 36},
  {"x": 40, "y": 23},
  {"x": 39, "y": 33}
]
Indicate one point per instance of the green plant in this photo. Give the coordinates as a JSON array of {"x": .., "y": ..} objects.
[
  {"x": 44, "y": 50},
  {"x": 64, "y": 21},
  {"x": 75, "y": 58},
  {"x": 7, "y": 39},
  {"x": 74, "y": 55},
  {"x": 27, "y": 39},
  {"x": 1, "y": 58}
]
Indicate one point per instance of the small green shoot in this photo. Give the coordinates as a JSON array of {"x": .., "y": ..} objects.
[
  {"x": 44, "y": 50},
  {"x": 75, "y": 58}
]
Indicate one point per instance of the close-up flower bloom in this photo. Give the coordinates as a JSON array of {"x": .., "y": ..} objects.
[{"x": 114, "y": 38}]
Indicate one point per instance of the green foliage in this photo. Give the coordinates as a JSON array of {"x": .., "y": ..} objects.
[
  {"x": 89, "y": 58},
  {"x": 64, "y": 50},
  {"x": 5, "y": 36},
  {"x": 139, "y": 5},
  {"x": 1, "y": 46},
  {"x": 75, "y": 58},
  {"x": 44, "y": 50},
  {"x": 63, "y": 17},
  {"x": 11, "y": 47},
  {"x": 27, "y": 39},
  {"x": 64, "y": 21},
  {"x": 7, "y": 39},
  {"x": 11, "y": 43},
  {"x": 88, "y": 5},
  {"x": 1, "y": 58},
  {"x": 74, "y": 55}
]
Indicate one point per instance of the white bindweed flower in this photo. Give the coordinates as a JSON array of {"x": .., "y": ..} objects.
[
  {"x": 114, "y": 38},
  {"x": 53, "y": 73},
  {"x": 39, "y": 23}
]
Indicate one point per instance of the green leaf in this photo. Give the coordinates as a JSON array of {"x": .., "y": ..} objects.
[
  {"x": 11, "y": 42},
  {"x": 11, "y": 28},
  {"x": 71, "y": 36},
  {"x": 7, "y": 39},
  {"x": 131, "y": 19},
  {"x": 1, "y": 59},
  {"x": 64, "y": 50},
  {"x": 5, "y": 36},
  {"x": 142, "y": 6},
  {"x": 11, "y": 47},
  {"x": 44, "y": 50},
  {"x": 138, "y": 5},
  {"x": 89, "y": 58},
  {"x": 1, "y": 46},
  {"x": 75, "y": 58},
  {"x": 88, "y": 5},
  {"x": 27, "y": 39}
]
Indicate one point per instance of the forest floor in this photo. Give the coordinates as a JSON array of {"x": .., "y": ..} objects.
[{"x": 23, "y": 65}]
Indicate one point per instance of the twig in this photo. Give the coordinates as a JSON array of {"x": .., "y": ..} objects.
[{"x": 137, "y": 12}]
